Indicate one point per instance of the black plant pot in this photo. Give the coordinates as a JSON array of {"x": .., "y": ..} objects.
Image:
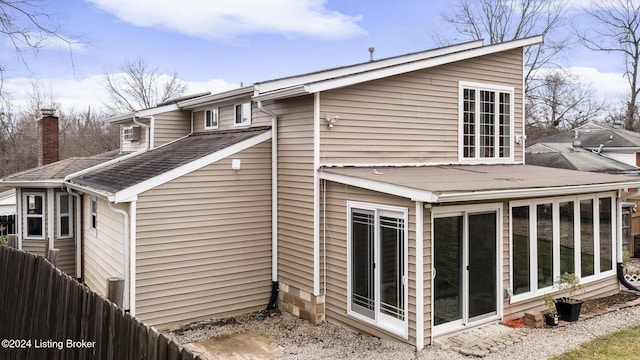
[
  {"x": 569, "y": 309},
  {"x": 551, "y": 319}
]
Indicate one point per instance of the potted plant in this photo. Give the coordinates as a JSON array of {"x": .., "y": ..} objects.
[
  {"x": 568, "y": 307},
  {"x": 551, "y": 314}
]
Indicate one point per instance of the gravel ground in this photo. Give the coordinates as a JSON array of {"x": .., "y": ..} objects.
[{"x": 301, "y": 340}]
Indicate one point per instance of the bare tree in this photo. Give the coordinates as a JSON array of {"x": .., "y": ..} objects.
[
  {"x": 27, "y": 24},
  {"x": 140, "y": 86},
  {"x": 560, "y": 101},
  {"x": 498, "y": 21},
  {"x": 619, "y": 32}
]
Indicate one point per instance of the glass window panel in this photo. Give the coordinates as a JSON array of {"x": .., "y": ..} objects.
[
  {"x": 391, "y": 267},
  {"x": 469, "y": 137},
  {"x": 34, "y": 205},
  {"x": 64, "y": 226},
  {"x": 362, "y": 272},
  {"x": 482, "y": 264},
  {"x": 606, "y": 253},
  {"x": 586, "y": 238},
  {"x": 447, "y": 263},
  {"x": 567, "y": 238},
  {"x": 487, "y": 123},
  {"x": 521, "y": 281},
  {"x": 544, "y": 243},
  {"x": 34, "y": 226}
]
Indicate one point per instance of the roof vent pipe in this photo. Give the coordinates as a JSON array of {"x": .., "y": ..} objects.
[
  {"x": 577, "y": 145},
  {"x": 371, "y": 50}
]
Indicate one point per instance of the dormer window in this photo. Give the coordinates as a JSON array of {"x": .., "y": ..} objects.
[
  {"x": 486, "y": 123},
  {"x": 243, "y": 114},
  {"x": 131, "y": 133},
  {"x": 211, "y": 119}
]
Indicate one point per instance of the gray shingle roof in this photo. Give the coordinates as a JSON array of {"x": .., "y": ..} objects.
[
  {"x": 564, "y": 156},
  {"x": 60, "y": 169},
  {"x": 152, "y": 163},
  {"x": 592, "y": 135}
]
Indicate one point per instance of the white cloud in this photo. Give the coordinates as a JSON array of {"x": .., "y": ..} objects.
[
  {"x": 88, "y": 92},
  {"x": 607, "y": 85},
  {"x": 227, "y": 19}
]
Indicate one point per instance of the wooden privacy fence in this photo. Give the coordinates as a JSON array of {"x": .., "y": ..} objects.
[{"x": 46, "y": 314}]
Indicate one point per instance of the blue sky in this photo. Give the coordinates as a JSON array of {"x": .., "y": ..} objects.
[{"x": 216, "y": 45}]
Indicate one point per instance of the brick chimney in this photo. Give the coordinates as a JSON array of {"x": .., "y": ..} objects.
[{"x": 48, "y": 148}]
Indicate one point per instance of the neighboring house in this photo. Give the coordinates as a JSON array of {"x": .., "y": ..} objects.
[
  {"x": 610, "y": 141},
  {"x": 575, "y": 157},
  {"x": 7, "y": 201},
  {"x": 389, "y": 196}
]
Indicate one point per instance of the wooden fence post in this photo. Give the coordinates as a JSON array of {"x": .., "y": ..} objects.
[
  {"x": 12, "y": 241},
  {"x": 115, "y": 290},
  {"x": 52, "y": 256}
]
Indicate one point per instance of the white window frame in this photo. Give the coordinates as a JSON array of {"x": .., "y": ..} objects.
[
  {"x": 399, "y": 327},
  {"x": 476, "y": 159},
  {"x": 534, "y": 291},
  {"x": 245, "y": 114},
  {"x": 93, "y": 215},
  {"x": 26, "y": 216},
  {"x": 214, "y": 116},
  {"x": 60, "y": 214}
]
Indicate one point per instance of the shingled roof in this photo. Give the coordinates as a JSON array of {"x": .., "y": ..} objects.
[
  {"x": 60, "y": 169},
  {"x": 134, "y": 170},
  {"x": 592, "y": 135}
]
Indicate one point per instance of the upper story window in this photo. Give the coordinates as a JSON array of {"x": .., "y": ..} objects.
[
  {"x": 486, "y": 122},
  {"x": 211, "y": 118},
  {"x": 65, "y": 213},
  {"x": 242, "y": 114},
  {"x": 131, "y": 133},
  {"x": 34, "y": 215}
]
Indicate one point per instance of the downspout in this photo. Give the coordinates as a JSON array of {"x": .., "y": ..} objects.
[
  {"x": 273, "y": 301},
  {"x": 19, "y": 217},
  {"x": 619, "y": 265},
  {"x": 78, "y": 236},
  {"x": 125, "y": 227}
]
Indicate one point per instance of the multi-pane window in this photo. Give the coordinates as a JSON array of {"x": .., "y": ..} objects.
[
  {"x": 34, "y": 215},
  {"x": 242, "y": 114},
  {"x": 486, "y": 122},
  {"x": 211, "y": 118},
  {"x": 377, "y": 266},
  {"x": 573, "y": 235},
  {"x": 65, "y": 209}
]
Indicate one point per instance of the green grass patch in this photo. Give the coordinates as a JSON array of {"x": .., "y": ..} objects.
[{"x": 623, "y": 344}]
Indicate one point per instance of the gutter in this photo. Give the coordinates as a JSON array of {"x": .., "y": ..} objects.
[{"x": 274, "y": 207}]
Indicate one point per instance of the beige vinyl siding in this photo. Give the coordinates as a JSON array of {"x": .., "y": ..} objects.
[
  {"x": 335, "y": 239},
  {"x": 37, "y": 247},
  {"x": 103, "y": 253},
  {"x": 412, "y": 117},
  {"x": 204, "y": 242},
  {"x": 595, "y": 289},
  {"x": 67, "y": 255},
  {"x": 170, "y": 126},
  {"x": 226, "y": 116},
  {"x": 295, "y": 192}
]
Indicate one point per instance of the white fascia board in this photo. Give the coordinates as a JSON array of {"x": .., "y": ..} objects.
[
  {"x": 538, "y": 192},
  {"x": 293, "y": 91},
  {"x": 131, "y": 193},
  {"x": 223, "y": 96},
  {"x": 89, "y": 191},
  {"x": 143, "y": 113},
  {"x": 418, "y": 65},
  {"x": 32, "y": 183},
  {"x": 383, "y": 187},
  {"x": 292, "y": 81}
]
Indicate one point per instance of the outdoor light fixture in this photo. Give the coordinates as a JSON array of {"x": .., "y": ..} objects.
[{"x": 331, "y": 120}]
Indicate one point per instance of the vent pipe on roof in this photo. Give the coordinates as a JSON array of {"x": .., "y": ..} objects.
[
  {"x": 577, "y": 145},
  {"x": 371, "y": 50}
]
